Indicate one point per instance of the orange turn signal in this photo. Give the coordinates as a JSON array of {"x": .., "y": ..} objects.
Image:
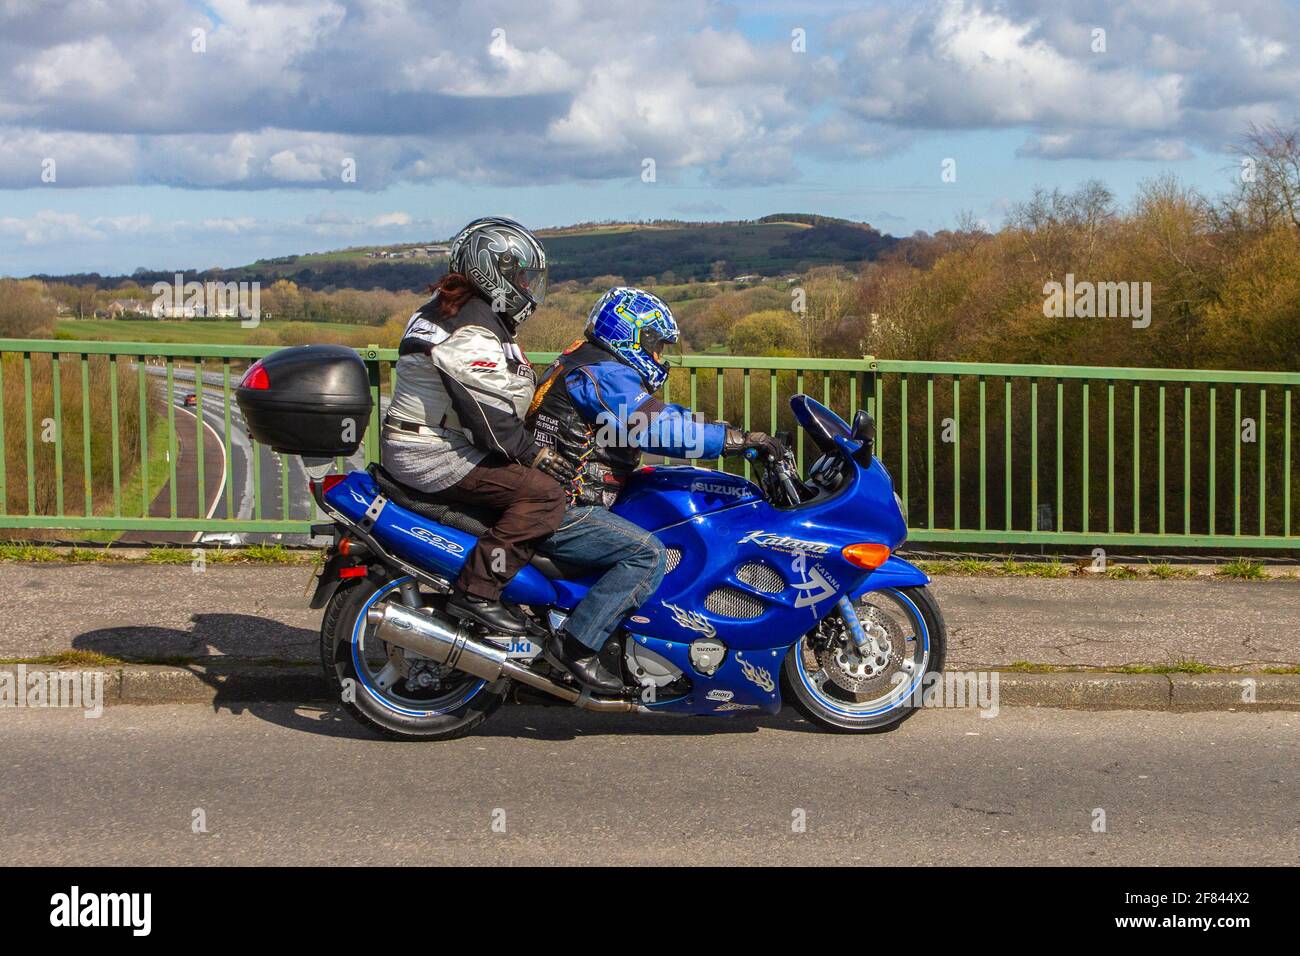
[{"x": 865, "y": 555}]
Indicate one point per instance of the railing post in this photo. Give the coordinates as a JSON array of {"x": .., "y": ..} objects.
[
  {"x": 869, "y": 387},
  {"x": 371, "y": 356},
  {"x": 866, "y": 384}
]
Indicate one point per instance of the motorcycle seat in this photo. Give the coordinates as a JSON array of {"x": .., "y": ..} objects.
[
  {"x": 554, "y": 568},
  {"x": 467, "y": 518}
]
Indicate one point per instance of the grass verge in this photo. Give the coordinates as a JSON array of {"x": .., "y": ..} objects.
[
  {"x": 1186, "y": 666},
  {"x": 29, "y": 553},
  {"x": 1241, "y": 569},
  {"x": 78, "y": 658}
]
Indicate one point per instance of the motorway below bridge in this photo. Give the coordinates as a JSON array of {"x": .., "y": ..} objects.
[{"x": 250, "y": 481}]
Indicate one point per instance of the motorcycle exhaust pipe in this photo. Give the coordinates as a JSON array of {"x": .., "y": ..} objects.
[{"x": 438, "y": 639}]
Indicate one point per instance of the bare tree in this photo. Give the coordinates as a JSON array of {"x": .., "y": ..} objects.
[{"x": 1268, "y": 182}]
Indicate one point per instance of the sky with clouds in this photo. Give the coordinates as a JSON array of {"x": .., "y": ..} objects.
[{"x": 193, "y": 134}]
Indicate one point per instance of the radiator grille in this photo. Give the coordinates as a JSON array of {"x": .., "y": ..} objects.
[
  {"x": 734, "y": 603},
  {"x": 761, "y": 577},
  {"x": 674, "y": 557}
]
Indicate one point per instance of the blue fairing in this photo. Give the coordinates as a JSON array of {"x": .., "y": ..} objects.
[
  {"x": 743, "y": 572},
  {"x": 894, "y": 573},
  {"x": 425, "y": 543}
]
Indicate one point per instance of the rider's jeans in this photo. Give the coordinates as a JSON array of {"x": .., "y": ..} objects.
[{"x": 632, "y": 558}]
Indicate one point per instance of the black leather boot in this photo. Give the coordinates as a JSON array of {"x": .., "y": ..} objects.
[
  {"x": 493, "y": 615},
  {"x": 582, "y": 662}
]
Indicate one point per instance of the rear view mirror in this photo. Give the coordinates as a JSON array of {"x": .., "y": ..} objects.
[
  {"x": 864, "y": 427},
  {"x": 864, "y": 431}
]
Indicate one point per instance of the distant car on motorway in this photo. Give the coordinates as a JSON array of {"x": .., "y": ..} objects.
[{"x": 191, "y": 400}]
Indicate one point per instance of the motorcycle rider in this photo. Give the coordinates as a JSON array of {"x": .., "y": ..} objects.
[
  {"x": 455, "y": 428},
  {"x": 596, "y": 407}
]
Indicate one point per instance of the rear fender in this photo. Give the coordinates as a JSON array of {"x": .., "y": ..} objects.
[{"x": 327, "y": 581}]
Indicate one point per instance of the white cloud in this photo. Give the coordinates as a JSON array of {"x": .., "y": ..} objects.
[
  {"x": 515, "y": 91},
  {"x": 29, "y": 156},
  {"x": 48, "y": 227},
  {"x": 90, "y": 68},
  {"x": 286, "y": 167},
  {"x": 967, "y": 66},
  {"x": 1103, "y": 144}
]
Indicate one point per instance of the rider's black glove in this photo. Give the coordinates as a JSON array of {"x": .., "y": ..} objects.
[
  {"x": 738, "y": 442},
  {"x": 551, "y": 462}
]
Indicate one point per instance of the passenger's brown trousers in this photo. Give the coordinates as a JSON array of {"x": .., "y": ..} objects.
[{"x": 532, "y": 506}]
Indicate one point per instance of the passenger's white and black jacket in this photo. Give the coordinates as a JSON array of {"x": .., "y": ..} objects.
[{"x": 467, "y": 380}]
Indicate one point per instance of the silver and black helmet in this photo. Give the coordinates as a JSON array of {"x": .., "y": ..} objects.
[{"x": 505, "y": 263}]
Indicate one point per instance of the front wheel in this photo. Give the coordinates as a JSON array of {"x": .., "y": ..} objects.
[
  {"x": 844, "y": 687},
  {"x": 390, "y": 690}
]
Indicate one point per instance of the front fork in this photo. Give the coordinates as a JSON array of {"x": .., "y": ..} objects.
[{"x": 871, "y": 641}]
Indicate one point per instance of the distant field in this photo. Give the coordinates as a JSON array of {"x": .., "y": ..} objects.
[{"x": 200, "y": 333}]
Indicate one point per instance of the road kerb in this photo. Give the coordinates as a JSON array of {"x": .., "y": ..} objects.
[{"x": 223, "y": 683}]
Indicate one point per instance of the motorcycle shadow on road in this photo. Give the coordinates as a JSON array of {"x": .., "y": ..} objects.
[
  {"x": 252, "y": 664},
  {"x": 215, "y": 639},
  {"x": 266, "y": 668},
  {"x": 534, "y": 721}
]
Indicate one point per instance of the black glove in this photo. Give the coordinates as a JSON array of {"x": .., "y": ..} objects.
[
  {"x": 738, "y": 442},
  {"x": 551, "y": 462}
]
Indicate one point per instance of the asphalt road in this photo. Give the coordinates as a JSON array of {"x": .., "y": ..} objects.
[
  {"x": 189, "y": 503},
  {"x": 282, "y": 786}
]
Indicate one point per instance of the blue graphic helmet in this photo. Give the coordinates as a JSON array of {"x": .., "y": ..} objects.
[{"x": 636, "y": 326}]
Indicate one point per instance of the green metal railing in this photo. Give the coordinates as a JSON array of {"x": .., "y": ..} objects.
[
  {"x": 980, "y": 453},
  {"x": 1089, "y": 456}
]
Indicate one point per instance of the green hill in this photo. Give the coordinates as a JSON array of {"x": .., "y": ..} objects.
[{"x": 773, "y": 245}]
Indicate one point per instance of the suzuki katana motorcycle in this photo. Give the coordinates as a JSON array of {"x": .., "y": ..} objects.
[{"x": 784, "y": 588}]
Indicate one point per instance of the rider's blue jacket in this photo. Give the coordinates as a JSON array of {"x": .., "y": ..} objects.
[
  {"x": 598, "y": 414},
  {"x": 612, "y": 393}
]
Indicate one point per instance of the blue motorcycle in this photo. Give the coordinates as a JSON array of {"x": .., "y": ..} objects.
[
  {"x": 787, "y": 587},
  {"x": 784, "y": 588}
]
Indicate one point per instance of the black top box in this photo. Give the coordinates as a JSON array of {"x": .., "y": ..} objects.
[{"x": 309, "y": 400}]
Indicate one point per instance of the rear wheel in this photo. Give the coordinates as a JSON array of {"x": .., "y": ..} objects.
[
  {"x": 843, "y": 687},
  {"x": 390, "y": 690}
]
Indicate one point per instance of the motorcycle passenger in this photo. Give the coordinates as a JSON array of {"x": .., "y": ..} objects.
[
  {"x": 596, "y": 407},
  {"x": 455, "y": 426}
]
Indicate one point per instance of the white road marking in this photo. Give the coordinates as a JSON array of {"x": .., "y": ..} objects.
[{"x": 220, "y": 488}]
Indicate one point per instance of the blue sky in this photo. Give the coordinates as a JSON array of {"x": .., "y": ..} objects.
[{"x": 172, "y": 148}]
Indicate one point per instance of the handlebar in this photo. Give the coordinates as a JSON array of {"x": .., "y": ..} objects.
[{"x": 777, "y": 477}]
